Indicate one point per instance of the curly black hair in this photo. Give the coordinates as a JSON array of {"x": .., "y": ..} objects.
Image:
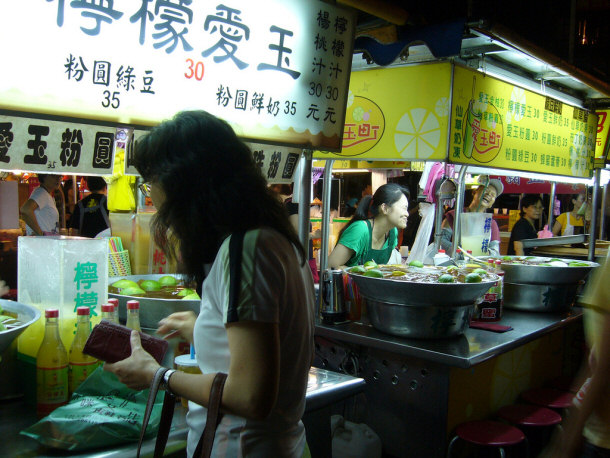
[{"x": 212, "y": 188}]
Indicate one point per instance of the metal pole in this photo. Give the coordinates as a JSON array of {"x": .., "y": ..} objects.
[
  {"x": 593, "y": 234},
  {"x": 459, "y": 207},
  {"x": 304, "y": 197},
  {"x": 326, "y": 196},
  {"x": 602, "y": 220},
  {"x": 552, "y": 206}
]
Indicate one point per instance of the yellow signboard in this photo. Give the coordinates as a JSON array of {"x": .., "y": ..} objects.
[
  {"x": 603, "y": 126},
  {"x": 397, "y": 113},
  {"x": 499, "y": 125}
]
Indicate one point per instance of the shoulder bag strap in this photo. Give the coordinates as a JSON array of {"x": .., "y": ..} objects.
[{"x": 167, "y": 413}]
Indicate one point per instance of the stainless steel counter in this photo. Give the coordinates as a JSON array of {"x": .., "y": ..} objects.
[
  {"x": 324, "y": 388},
  {"x": 474, "y": 347}
]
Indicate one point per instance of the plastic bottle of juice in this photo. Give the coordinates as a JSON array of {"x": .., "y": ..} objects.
[
  {"x": 108, "y": 312},
  {"x": 81, "y": 365},
  {"x": 133, "y": 315},
  {"x": 51, "y": 368},
  {"x": 115, "y": 302}
]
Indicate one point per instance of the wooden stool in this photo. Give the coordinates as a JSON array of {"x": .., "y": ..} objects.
[
  {"x": 535, "y": 421},
  {"x": 549, "y": 397},
  {"x": 489, "y": 433}
]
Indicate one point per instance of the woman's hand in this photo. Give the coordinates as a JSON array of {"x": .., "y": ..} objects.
[
  {"x": 138, "y": 370},
  {"x": 178, "y": 324}
]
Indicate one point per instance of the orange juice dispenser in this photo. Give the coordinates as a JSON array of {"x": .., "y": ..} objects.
[{"x": 57, "y": 272}]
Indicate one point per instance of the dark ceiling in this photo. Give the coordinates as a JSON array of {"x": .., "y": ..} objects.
[{"x": 576, "y": 31}]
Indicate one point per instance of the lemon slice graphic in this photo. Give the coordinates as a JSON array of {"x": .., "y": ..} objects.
[
  {"x": 417, "y": 134},
  {"x": 441, "y": 108},
  {"x": 518, "y": 98},
  {"x": 511, "y": 376},
  {"x": 358, "y": 113}
]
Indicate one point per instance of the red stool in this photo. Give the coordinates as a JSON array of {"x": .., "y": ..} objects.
[
  {"x": 549, "y": 397},
  {"x": 489, "y": 433},
  {"x": 535, "y": 421}
]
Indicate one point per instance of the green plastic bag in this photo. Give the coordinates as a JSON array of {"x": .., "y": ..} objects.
[{"x": 102, "y": 412}]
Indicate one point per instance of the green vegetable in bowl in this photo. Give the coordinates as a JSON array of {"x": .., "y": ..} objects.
[
  {"x": 376, "y": 273},
  {"x": 132, "y": 291},
  {"x": 192, "y": 297},
  {"x": 446, "y": 278},
  {"x": 480, "y": 271},
  {"x": 416, "y": 264},
  {"x": 124, "y": 283},
  {"x": 168, "y": 280},
  {"x": 150, "y": 285},
  {"x": 357, "y": 270}
]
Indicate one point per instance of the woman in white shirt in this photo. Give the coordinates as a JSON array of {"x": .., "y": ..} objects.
[{"x": 39, "y": 211}]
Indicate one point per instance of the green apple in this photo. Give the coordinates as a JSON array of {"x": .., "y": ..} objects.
[
  {"x": 124, "y": 283},
  {"x": 132, "y": 291},
  {"x": 150, "y": 285},
  {"x": 186, "y": 292},
  {"x": 168, "y": 280}
]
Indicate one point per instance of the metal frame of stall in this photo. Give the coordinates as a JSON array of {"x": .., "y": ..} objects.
[{"x": 394, "y": 380}]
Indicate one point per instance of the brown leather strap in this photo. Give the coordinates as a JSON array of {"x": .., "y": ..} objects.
[
  {"x": 152, "y": 395},
  {"x": 167, "y": 415},
  {"x": 204, "y": 447}
]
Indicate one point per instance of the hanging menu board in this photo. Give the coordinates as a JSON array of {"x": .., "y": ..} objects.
[
  {"x": 500, "y": 125},
  {"x": 601, "y": 140},
  {"x": 277, "y": 70},
  {"x": 61, "y": 146},
  {"x": 277, "y": 163},
  {"x": 397, "y": 113}
]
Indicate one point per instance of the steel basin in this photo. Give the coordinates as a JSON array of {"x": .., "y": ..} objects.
[
  {"x": 419, "y": 293},
  {"x": 546, "y": 275},
  {"x": 26, "y": 314},
  {"x": 152, "y": 310},
  {"x": 419, "y": 321},
  {"x": 539, "y": 298}
]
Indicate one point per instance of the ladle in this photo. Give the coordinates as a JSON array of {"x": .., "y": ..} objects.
[{"x": 469, "y": 256}]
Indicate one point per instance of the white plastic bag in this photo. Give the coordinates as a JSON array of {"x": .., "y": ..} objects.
[
  {"x": 418, "y": 251},
  {"x": 395, "y": 257}
]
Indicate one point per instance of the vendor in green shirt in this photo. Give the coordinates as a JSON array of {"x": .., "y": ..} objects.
[{"x": 372, "y": 233}]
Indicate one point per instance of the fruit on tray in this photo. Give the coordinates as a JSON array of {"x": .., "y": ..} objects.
[
  {"x": 124, "y": 283},
  {"x": 168, "y": 280},
  {"x": 150, "y": 285}
]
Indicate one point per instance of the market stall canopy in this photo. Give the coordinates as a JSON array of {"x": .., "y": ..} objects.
[{"x": 519, "y": 185}]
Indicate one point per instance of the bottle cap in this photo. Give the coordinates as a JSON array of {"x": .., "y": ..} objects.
[
  {"x": 107, "y": 308},
  {"x": 82, "y": 311},
  {"x": 133, "y": 305},
  {"x": 114, "y": 301},
  {"x": 498, "y": 262},
  {"x": 441, "y": 251},
  {"x": 469, "y": 251},
  {"x": 51, "y": 313}
]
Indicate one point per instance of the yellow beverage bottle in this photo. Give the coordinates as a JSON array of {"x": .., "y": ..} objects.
[
  {"x": 108, "y": 312},
  {"x": 133, "y": 315},
  {"x": 80, "y": 365},
  {"x": 51, "y": 368},
  {"x": 115, "y": 303}
]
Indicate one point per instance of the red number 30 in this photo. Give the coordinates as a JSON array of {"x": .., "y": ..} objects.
[{"x": 194, "y": 69}]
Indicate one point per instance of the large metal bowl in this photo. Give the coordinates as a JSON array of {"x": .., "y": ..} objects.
[
  {"x": 26, "y": 314},
  {"x": 152, "y": 310},
  {"x": 545, "y": 275},
  {"x": 539, "y": 298},
  {"x": 419, "y": 293},
  {"x": 422, "y": 322}
]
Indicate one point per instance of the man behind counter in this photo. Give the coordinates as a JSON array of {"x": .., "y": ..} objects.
[{"x": 90, "y": 215}]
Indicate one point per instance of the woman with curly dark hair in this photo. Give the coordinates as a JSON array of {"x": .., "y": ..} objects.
[{"x": 208, "y": 190}]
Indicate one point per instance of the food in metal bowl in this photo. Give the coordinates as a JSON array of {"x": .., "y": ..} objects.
[
  {"x": 165, "y": 287},
  {"x": 427, "y": 274}
]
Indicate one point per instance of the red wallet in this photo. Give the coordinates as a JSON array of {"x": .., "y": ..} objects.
[{"x": 110, "y": 342}]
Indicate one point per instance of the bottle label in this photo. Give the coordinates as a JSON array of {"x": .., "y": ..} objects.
[
  {"x": 51, "y": 388},
  {"x": 79, "y": 372}
]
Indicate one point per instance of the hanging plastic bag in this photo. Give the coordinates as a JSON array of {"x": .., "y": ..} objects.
[
  {"x": 102, "y": 412},
  {"x": 418, "y": 251}
]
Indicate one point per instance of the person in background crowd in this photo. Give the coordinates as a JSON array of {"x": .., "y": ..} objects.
[
  {"x": 39, "y": 211},
  {"x": 482, "y": 200},
  {"x": 90, "y": 216},
  {"x": 589, "y": 417},
  {"x": 207, "y": 189},
  {"x": 566, "y": 223},
  {"x": 525, "y": 228},
  {"x": 372, "y": 233}
]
